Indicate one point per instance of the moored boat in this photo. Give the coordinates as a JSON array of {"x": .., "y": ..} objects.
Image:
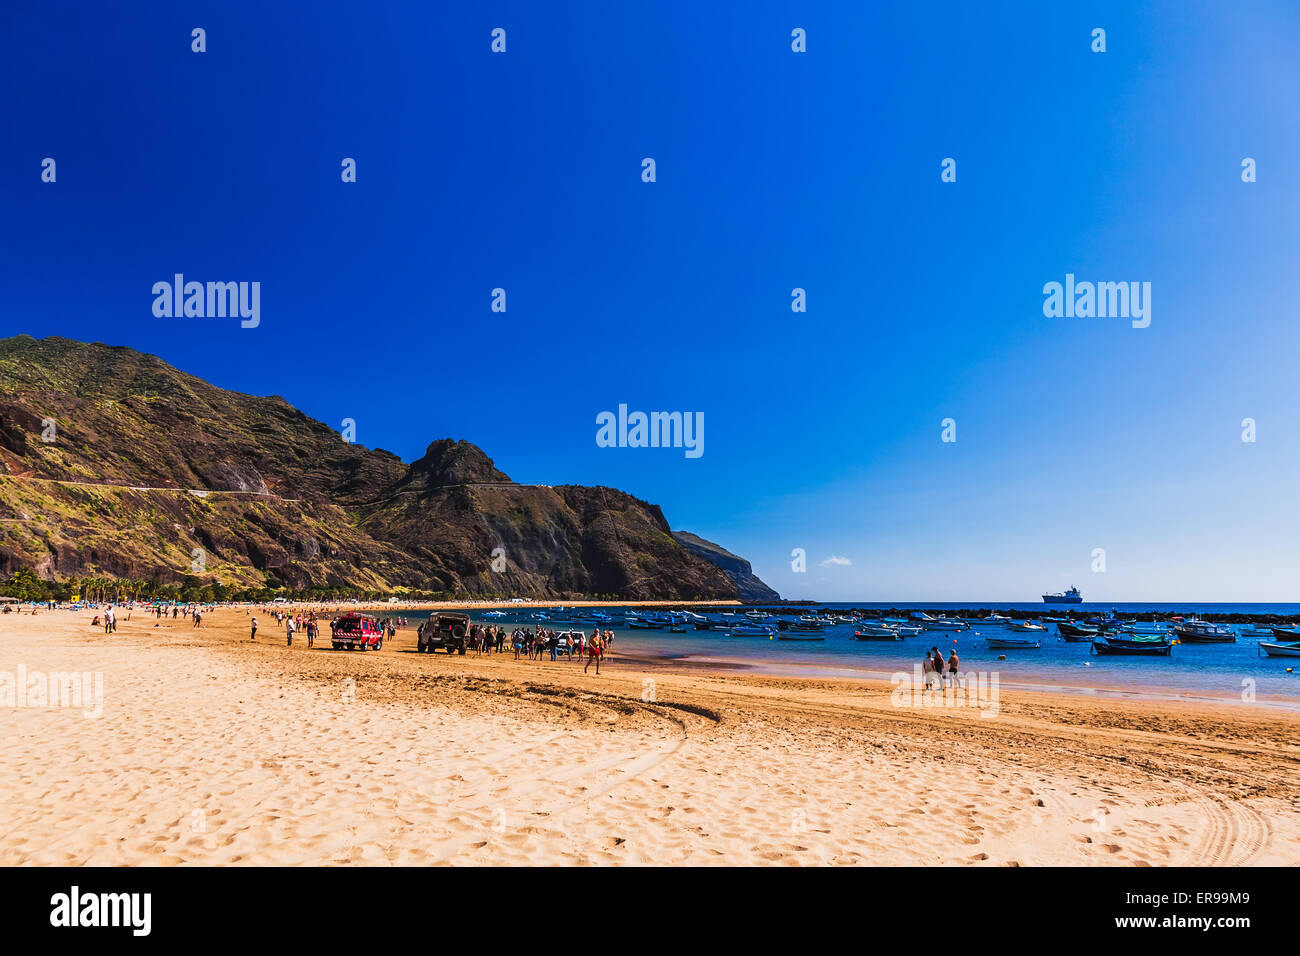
[
  {"x": 1291, "y": 649},
  {"x": 1077, "y": 633},
  {"x": 1013, "y": 643},
  {"x": 877, "y": 632},
  {"x": 1203, "y": 632},
  {"x": 943, "y": 624},
  {"x": 750, "y": 630},
  {"x": 1131, "y": 647},
  {"x": 1025, "y": 627}
]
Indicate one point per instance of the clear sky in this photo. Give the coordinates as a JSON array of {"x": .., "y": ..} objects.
[{"x": 775, "y": 170}]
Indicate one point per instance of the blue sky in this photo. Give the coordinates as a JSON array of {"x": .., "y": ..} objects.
[{"x": 775, "y": 170}]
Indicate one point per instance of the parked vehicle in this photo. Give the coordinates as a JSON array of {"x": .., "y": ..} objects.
[
  {"x": 444, "y": 630},
  {"x": 356, "y": 632}
]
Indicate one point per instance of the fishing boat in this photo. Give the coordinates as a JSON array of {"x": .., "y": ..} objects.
[
  {"x": 795, "y": 636},
  {"x": 1077, "y": 633},
  {"x": 1146, "y": 627},
  {"x": 1291, "y": 649},
  {"x": 801, "y": 625},
  {"x": 1012, "y": 643},
  {"x": 637, "y": 624},
  {"x": 943, "y": 624},
  {"x": 877, "y": 632},
  {"x": 1258, "y": 630},
  {"x": 1112, "y": 623},
  {"x": 677, "y": 628},
  {"x": 1132, "y": 647},
  {"x": 1203, "y": 632},
  {"x": 1025, "y": 627},
  {"x": 814, "y": 619},
  {"x": 1286, "y": 633},
  {"x": 750, "y": 630},
  {"x": 905, "y": 630}
]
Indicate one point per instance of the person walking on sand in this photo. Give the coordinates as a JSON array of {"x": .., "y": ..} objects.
[
  {"x": 253, "y": 636},
  {"x": 938, "y": 666},
  {"x": 198, "y": 617},
  {"x": 593, "y": 653},
  {"x": 927, "y": 672},
  {"x": 108, "y": 619},
  {"x": 288, "y": 630}
]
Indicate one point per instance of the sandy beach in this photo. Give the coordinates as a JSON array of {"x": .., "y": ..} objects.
[{"x": 209, "y": 749}]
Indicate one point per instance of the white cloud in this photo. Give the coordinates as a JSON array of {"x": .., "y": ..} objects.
[{"x": 835, "y": 561}]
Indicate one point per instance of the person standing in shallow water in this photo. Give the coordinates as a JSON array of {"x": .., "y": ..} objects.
[
  {"x": 927, "y": 671},
  {"x": 952, "y": 666}
]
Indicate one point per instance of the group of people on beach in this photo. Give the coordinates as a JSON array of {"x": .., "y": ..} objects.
[
  {"x": 934, "y": 671},
  {"x": 533, "y": 643},
  {"x": 109, "y": 617}
]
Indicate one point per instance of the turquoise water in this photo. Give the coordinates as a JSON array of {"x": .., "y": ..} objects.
[{"x": 1212, "y": 670}]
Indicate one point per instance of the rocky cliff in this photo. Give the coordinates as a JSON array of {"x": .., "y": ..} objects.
[{"x": 113, "y": 463}]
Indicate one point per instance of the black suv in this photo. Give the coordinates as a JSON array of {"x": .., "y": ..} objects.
[{"x": 443, "y": 629}]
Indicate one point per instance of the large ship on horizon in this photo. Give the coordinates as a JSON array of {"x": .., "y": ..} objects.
[{"x": 1071, "y": 596}]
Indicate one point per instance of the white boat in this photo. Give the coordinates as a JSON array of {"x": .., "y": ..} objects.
[
  {"x": 993, "y": 620},
  {"x": 943, "y": 624},
  {"x": 1013, "y": 643},
  {"x": 907, "y": 630},
  {"x": 1203, "y": 632},
  {"x": 495, "y": 614},
  {"x": 877, "y": 632},
  {"x": 1026, "y": 627},
  {"x": 1280, "y": 650}
]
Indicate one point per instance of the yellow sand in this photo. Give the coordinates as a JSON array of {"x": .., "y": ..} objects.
[{"x": 213, "y": 750}]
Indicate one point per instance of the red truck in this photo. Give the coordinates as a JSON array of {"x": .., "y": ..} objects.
[{"x": 356, "y": 632}]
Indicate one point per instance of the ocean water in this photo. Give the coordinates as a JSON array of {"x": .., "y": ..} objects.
[{"x": 1226, "y": 671}]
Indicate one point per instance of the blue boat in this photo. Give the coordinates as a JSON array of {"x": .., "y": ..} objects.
[{"x": 1072, "y": 596}]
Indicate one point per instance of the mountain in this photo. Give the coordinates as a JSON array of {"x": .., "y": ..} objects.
[
  {"x": 115, "y": 464},
  {"x": 749, "y": 587}
]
